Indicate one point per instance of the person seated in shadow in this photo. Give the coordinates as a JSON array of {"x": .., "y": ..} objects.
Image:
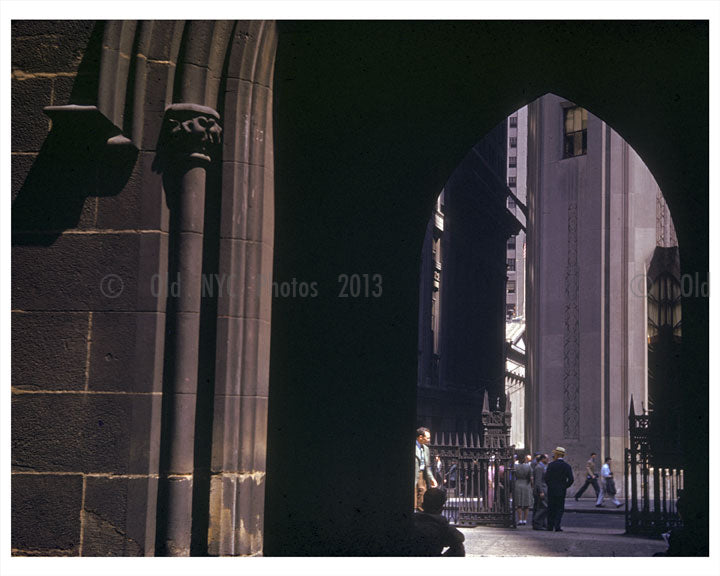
[
  {"x": 683, "y": 540},
  {"x": 432, "y": 532}
]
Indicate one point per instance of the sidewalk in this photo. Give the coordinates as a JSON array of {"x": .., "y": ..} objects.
[
  {"x": 601, "y": 536},
  {"x": 524, "y": 541},
  {"x": 587, "y": 505}
]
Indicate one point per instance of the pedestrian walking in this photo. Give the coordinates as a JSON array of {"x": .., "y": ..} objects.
[
  {"x": 591, "y": 478},
  {"x": 559, "y": 478},
  {"x": 540, "y": 506},
  {"x": 522, "y": 491},
  {"x": 608, "y": 487}
]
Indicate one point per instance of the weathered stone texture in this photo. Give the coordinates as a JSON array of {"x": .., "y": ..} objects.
[
  {"x": 243, "y": 369},
  {"x": 115, "y": 515},
  {"x": 248, "y": 214},
  {"x": 20, "y": 167},
  {"x": 86, "y": 272},
  {"x": 49, "y": 45},
  {"x": 62, "y": 90},
  {"x": 126, "y": 352},
  {"x": 77, "y": 433},
  {"x": 236, "y": 502},
  {"x": 142, "y": 204},
  {"x": 49, "y": 350},
  {"x": 160, "y": 39},
  {"x": 248, "y": 267},
  {"x": 46, "y": 514},
  {"x": 247, "y": 135},
  {"x": 239, "y": 440},
  {"x": 156, "y": 80},
  {"x": 30, "y": 126}
]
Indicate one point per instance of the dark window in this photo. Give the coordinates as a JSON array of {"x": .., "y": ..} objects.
[
  {"x": 512, "y": 161},
  {"x": 511, "y": 203},
  {"x": 575, "y": 132},
  {"x": 511, "y": 267},
  {"x": 511, "y": 243},
  {"x": 513, "y": 121},
  {"x": 513, "y": 142},
  {"x": 512, "y": 181},
  {"x": 511, "y": 286}
]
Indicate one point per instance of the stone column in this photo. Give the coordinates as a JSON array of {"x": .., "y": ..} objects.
[{"x": 190, "y": 136}]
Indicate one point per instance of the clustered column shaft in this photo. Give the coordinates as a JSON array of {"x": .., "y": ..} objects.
[{"x": 191, "y": 134}]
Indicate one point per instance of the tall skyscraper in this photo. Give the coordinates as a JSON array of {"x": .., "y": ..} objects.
[{"x": 596, "y": 218}]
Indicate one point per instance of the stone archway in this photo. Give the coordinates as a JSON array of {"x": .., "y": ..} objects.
[
  {"x": 211, "y": 475},
  {"x": 371, "y": 118},
  {"x": 191, "y": 230}
]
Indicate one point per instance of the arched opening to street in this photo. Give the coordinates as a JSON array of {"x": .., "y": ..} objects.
[
  {"x": 550, "y": 315},
  {"x": 275, "y": 415}
]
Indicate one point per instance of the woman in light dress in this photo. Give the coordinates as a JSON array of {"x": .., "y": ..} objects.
[{"x": 522, "y": 494}]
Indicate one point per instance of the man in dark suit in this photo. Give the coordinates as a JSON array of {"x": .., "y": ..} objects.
[
  {"x": 423, "y": 466},
  {"x": 559, "y": 478}
]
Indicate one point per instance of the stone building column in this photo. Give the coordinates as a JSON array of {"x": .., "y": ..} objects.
[{"x": 190, "y": 135}]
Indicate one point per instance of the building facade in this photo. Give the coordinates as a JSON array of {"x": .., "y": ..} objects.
[
  {"x": 516, "y": 251},
  {"x": 596, "y": 217},
  {"x": 517, "y": 183},
  {"x": 462, "y": 292}
]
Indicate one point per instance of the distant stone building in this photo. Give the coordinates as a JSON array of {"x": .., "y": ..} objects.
[
  {"x": 517, "y": 183},
  {"x": 517, "y": 142},
  {"x": 462, "y": 292},
  {"x": 515, "y": 367},
  {"x": 596, "y": 219}
]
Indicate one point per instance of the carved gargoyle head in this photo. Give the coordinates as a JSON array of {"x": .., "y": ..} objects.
[{"x": 189, "y": 131}]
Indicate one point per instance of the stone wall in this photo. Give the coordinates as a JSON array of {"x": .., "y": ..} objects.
[{"x": 139, "y": 416}]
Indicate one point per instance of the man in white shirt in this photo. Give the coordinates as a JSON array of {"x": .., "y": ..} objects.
[
  {"x": 423, "y": 466},
  {"x": 608, "y": 485}
]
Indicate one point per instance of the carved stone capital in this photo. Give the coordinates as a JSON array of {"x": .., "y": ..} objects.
[{"x": 191, "y": 131}]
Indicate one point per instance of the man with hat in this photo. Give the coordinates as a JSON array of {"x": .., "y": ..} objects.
[{"x": 558, "y": 477}]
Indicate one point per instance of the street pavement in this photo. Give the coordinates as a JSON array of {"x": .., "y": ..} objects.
[{"x": 587, "y": 531}]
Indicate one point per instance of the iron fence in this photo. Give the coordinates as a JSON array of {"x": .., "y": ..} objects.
[
  {"x": 478, "y": 480},
  {"x": 654, "y": 479}
]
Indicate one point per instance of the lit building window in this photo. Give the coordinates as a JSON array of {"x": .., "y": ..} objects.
[
  {"x": 575, "y": 132},
  {"x": 511, "y": 286}
]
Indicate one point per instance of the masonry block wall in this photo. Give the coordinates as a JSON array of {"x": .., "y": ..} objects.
[
  {"x": 86, "y": 379},
  {"x": 98, "y": 466}
]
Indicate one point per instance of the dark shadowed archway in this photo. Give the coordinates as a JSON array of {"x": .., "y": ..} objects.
[{"x": 371, "y": 118}]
